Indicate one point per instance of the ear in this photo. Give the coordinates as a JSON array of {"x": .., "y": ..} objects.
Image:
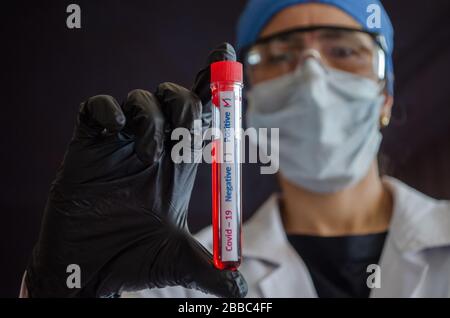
[{"x": 386, "y": 110}]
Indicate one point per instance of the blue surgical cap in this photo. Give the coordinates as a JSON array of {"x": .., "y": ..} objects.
[{"x": 259, "y": 12}]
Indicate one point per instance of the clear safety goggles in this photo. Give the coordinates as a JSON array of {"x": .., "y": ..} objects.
[{"x": 351, "y": 50}]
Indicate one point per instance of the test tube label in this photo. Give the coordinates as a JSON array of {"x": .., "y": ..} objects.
[{"x": 228, "y": 217}]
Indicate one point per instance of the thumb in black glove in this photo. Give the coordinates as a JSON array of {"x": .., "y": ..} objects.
[{"x": 118, "y": 206}]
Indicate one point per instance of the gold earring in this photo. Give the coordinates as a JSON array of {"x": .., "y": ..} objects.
[{"x": 385, "y": 120}]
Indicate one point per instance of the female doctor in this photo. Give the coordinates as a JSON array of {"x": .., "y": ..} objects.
[{"x": 321, "y": 72}]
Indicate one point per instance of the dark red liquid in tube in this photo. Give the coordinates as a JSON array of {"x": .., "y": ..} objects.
[{"x": 226, "y": 88}]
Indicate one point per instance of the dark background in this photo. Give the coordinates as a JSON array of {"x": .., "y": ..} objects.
[{"x": 48, "y": 70}]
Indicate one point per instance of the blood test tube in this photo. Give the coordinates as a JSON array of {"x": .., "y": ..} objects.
[{"x": 226, "y": 89}]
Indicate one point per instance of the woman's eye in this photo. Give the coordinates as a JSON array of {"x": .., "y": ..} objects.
[
  {"x": 279, "y": 58},
  {"x": 343, "y": 52}
]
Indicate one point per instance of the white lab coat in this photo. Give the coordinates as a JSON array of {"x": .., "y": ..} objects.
[{"x": 415, "y": 261}]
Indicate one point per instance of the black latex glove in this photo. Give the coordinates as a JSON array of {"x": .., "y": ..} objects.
[{"x": 119, "y": 203}]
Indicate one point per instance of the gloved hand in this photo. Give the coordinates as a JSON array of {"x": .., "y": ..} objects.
[{"x": 118, "y": 206}]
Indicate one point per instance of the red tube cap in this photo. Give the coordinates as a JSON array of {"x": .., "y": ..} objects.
[{"x": 226, "y": 71}]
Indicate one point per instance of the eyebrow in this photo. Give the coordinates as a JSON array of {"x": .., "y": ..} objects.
[
  {"x": 333, "y": 34},
  {"x": 364, "y": 38}
]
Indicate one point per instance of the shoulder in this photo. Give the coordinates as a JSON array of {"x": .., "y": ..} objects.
[
  {"x": 419, "y": 221},
  {"x": 412, "y": 203}
]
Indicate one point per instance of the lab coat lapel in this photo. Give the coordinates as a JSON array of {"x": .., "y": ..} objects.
[
  {"x": 288, "y": 275},
  {"x": 291, "y": 279},
  {"x": 402, "y": 274}
]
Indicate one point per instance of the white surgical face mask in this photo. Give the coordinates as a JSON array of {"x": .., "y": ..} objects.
[{"x": 328, "y": 124}]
